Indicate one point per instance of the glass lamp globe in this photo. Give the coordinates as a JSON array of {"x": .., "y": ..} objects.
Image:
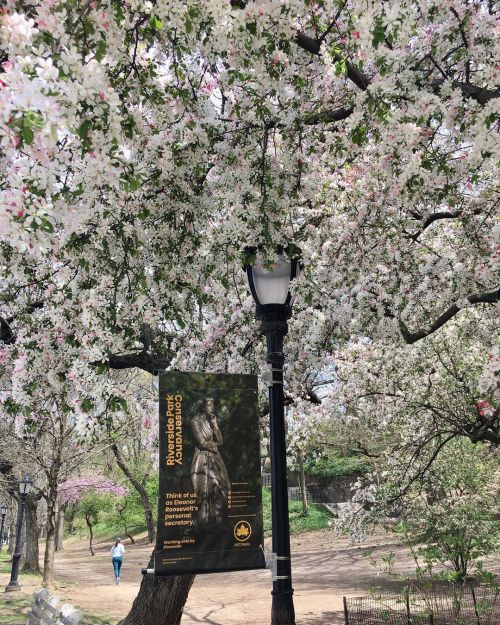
[
  {"x": 270, "y": 284},
  {"x": 25, "y": 485}
]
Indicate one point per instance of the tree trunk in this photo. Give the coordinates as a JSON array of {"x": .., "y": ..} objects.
[
  {"x": 32, "y": 561},
  {"x": 302, "y": 478},
  {"x": 22, "y": 544},
  {"x": 48, "y": 560},
  {"x": 146, "y": 504},
  {"x": 91, "y": 534},
  {"x": 71, "y": 519},
  {"x": 121, "y": 512},
  {"x": 12, "y": 534},
  {"x": 60, "y": 527},
  {"x": 160, "y": 601}
]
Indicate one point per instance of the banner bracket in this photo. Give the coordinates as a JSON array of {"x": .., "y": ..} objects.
[{"x": 272, "y": 564}]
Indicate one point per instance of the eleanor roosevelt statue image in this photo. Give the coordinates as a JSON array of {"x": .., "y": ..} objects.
[{"x": 209, "y": 475}]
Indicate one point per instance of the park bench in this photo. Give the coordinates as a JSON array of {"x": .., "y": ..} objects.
[{"x": 43, "y": 611}]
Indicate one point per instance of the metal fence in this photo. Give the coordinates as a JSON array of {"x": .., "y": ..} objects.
[{"x": 436, "y": 604}]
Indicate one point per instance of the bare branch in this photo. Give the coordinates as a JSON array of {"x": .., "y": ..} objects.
[
  {"x": 480, "y": 94},
  {"x": 326, "y": 117},
  {"x": 481, "y": 298},
  {"x": 152, "y": 363}
]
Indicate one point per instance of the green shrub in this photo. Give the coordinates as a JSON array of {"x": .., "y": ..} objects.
[
  {"x": 316, "y": 517},
  {"x": 333, "y": 465}
]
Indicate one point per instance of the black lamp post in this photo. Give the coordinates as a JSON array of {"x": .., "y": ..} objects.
[
  {"x": 3, "y": 512},
  {"x": 24, "y": 489},
  {"x": 270, "y": 287}
]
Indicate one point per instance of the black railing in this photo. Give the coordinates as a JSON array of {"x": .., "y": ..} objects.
[{"x": 436, "y": 604}]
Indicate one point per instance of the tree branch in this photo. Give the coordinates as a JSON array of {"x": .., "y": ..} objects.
[
  {"x": 152, "y": 363},
  {"x": 7, "y": 336},
  {"x": 481, "y": 298},
  {"x": 480, "y": 94},
  {"x": 314, "y": 45},
  {"x": 326, "y": 117}
]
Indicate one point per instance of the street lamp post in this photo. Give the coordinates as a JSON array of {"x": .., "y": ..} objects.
[
  {"x": 24, "y": 489},
  {"x": 270, "y": 288},
  {"x": 3, "y": 512}
]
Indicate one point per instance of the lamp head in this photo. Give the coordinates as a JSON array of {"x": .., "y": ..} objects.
[
  {"x": 25, "y": 485},
  {"x": 3, "y": 509},
  {"x": 269, "y": 282}
]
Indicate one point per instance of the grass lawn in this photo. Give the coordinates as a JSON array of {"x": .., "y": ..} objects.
[
  {"x": 14, "y": 606},
  {"x": 4, "y": 561},
  {"x": 316, "y": 517}
]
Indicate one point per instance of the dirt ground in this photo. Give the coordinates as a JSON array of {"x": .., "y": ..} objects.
[{"x": 325, "y": 569}]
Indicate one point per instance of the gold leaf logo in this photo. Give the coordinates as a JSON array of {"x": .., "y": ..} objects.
[{"x": 242, "y": 531}]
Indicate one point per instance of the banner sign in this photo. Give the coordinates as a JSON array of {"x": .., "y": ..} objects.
[{"x": 210, "y": 498}]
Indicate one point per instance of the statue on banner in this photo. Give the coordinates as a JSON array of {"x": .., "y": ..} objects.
[{"x": 209, "y": 475}]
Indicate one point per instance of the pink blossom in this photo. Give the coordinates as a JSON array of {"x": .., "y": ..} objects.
[{"x": 75, "y": 489}]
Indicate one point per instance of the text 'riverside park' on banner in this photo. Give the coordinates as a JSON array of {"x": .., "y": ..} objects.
[{"x": 210, "y": 498}]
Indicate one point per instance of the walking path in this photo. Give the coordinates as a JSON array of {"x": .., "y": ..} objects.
[{"x": 324, "y": 570}]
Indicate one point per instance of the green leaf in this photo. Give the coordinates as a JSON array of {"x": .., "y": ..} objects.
[
  {"x": 341, "y": 68},
  {"x": 358, "y": 135},
  {"x": 180, "y": 321},
  {"x": 27, "y": 134},
  {"x": 100, "y": 51},
  {"x": 84, "y": 128},
  {"x": 156, "y": 23},
  {"x": 128, "y": 126},
  {"x": 88, "y": 27},
  {"x": 46, "y": 225},
  {"x": 378, "y": 32},
  {"x": 117, "y": 403},
  {"x": 144, "y": 213},
  {"x": 134, "y": 184},
  {"x": 87, "y": 404}
]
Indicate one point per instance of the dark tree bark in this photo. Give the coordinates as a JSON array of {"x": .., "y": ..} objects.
[
  {"x": 140, "y": 488},
  {"x": 479, "y": 298},
  {"x": 50, "y": 541},
  {"x": 32, "y": 558},
  {"x": 60, "y": 527},
  {"x": 12, "y": 534},
  {"x": 160, "y": 601}
]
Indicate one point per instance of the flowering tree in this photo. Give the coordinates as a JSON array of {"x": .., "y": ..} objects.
[
  {"x": 144, "y": 144},
  {"x": 134, "y": 439},
  {"x": 45, "y": 445},
  {"x": 72, "y": 490},
  {"x": 407, "y": 404},
  {"x": 453, "y": 520},
  {"x": 89, "y": 492}
]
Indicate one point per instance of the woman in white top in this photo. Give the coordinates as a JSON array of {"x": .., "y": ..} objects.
[{"x": 117, "y": 551}]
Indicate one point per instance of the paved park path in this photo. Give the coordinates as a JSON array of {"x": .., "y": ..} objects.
[{"x": 324, "y": 570}]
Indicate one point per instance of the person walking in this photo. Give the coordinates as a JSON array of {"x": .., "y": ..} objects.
[{"x": 117, "y": 551}]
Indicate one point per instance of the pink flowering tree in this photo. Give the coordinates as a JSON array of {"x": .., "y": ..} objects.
[{"x": 91, "y": 493}]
